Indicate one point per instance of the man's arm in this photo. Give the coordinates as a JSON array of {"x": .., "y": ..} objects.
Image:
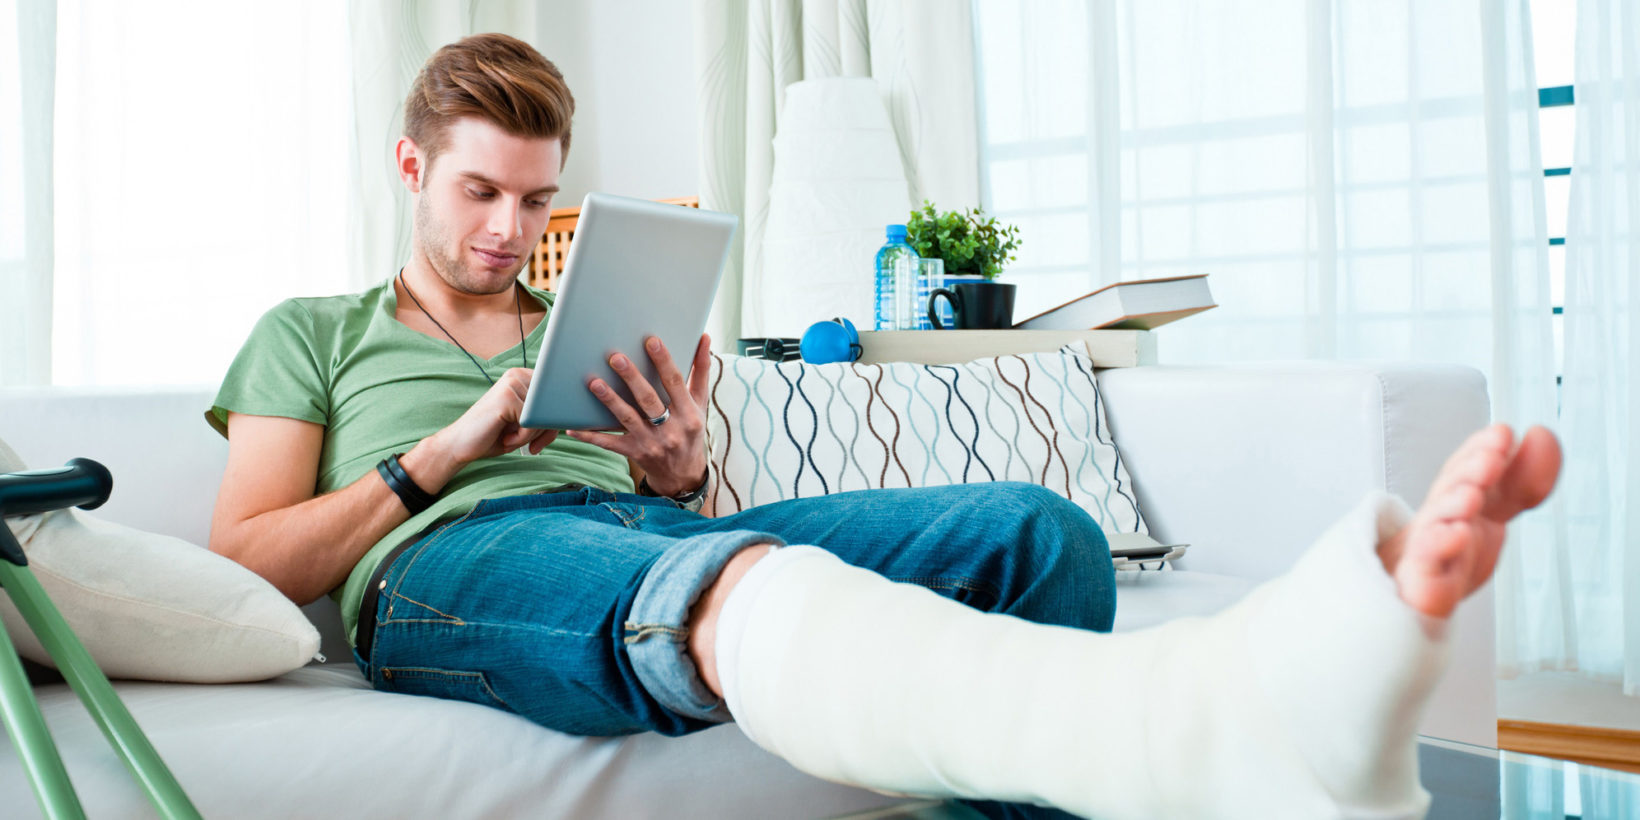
[{"x": 269, "y": 519}]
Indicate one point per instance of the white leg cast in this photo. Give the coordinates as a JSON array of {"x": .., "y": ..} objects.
[{"x": 1300, "y": 701}]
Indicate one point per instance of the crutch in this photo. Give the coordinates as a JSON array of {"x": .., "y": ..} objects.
[{"x": 86, "y": 484}]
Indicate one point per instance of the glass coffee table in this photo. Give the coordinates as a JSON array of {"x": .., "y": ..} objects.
[{"x": 1467, "y": 783}]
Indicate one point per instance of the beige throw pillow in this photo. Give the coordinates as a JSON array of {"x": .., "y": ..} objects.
[{"x": 154, "y": 607}]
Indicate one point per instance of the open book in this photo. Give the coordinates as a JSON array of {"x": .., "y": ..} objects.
[{"x": 1143, "y": 304}]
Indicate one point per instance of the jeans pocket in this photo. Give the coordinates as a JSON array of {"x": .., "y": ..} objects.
[
  {"x": 629, "y": 514},
  {"x": 450, "y": 684}
]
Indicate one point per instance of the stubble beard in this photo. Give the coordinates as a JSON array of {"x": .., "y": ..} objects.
[{"x": 444, "y": 254}]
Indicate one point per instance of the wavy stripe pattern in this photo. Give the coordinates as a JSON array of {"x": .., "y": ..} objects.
[{"x": 841, "y": 427}]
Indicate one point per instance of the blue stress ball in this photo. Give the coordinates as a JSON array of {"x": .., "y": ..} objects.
[{"x": 833, "y": 341}]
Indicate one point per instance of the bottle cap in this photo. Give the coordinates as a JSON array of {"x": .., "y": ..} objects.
[{"x": 896, "y": 232}]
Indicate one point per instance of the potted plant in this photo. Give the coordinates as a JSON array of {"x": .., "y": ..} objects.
[{"x": 969, "y": 243}]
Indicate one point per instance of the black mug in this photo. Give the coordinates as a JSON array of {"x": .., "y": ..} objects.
[{"x": 977, "y": 305}]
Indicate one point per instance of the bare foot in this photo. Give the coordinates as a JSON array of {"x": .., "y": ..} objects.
[{"x": 1452, "y": 544}]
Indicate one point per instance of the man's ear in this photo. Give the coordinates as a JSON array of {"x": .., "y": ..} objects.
[{"x": 408, "y": 159}]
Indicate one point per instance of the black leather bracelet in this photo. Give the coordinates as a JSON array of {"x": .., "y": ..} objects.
[{"x": 414, "y": 498}]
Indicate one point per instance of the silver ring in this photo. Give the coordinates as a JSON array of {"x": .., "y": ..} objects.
[{"x": 661, "y": 419}]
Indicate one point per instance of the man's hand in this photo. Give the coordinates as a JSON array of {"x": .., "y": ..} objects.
[
  {"x": 490, "y": 427},
  {"x": 671, "y": 454}
]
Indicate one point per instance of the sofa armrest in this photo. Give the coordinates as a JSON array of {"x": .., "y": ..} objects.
[{"x": 1249, "y": 463}]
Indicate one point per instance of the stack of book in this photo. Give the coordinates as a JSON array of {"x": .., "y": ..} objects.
[{"x": 1143, "y": 304}]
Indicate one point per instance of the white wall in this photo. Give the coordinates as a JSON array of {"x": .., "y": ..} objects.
[{"x": 631, "y": 67}]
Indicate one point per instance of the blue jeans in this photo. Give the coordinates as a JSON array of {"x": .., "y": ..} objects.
[{"x": 571, "y": 608}]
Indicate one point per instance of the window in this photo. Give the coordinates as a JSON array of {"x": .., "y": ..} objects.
[
  {"x": 1348, "y": 220},
  {"x": 1034, "y": 144},
  {"x": 201, "y": 168},
  {"x": 1554, "y": 32}
]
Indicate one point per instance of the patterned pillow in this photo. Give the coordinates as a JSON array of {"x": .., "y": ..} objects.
[{"x": 794, "y": 430}]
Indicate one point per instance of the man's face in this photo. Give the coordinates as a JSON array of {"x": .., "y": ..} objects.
[{"x": 484, "y": 203}]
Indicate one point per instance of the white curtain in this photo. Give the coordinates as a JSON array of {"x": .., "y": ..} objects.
[
  {"x": 919, "y": 52},
  {"x": 1581, "y": 610},
  {"x": 1354, "y": 175},
  {"x": 28, "y": 48},
  {"x": 198, "y": 166},
  {"x": 1359, "y": 178},
  {"x": 389, "y": 42}
]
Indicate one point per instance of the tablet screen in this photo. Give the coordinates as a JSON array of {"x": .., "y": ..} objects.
[{"x": 635, "y": 269}]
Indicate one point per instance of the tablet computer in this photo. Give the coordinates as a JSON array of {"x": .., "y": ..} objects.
[{"x": 635, "y": 269}]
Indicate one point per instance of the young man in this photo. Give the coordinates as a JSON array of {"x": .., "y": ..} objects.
[{"x": 375, "y": 453}]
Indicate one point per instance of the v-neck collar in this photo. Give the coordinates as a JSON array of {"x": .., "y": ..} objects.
[{"x": 389, "y": 301}]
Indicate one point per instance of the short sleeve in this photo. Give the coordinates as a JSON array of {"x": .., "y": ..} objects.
[{"x": 280, "y": 371}]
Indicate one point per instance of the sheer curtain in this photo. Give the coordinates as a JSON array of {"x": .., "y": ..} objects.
[
  {"x": 200, "y": 159},
  {"x": 389, "y": 40},
  {"x": 27, "y": 61},
  {"x": 1334, "y": 166},
  {"x": 1584, "y": 612},
  {"x": 1360, "y": 179},
  {"x": 918, "y": 51},
  {"x": 213, "y": 160}
]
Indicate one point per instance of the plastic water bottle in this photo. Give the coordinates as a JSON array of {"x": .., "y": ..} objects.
[
  {"x": 897, "y": 274},
  {"x": 927, "y": 281}
]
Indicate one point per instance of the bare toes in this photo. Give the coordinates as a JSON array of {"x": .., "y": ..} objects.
[
  {"x": 1461, "y": 502},
  {"x": 1434, "y": 574},
  {"x": 1480, "y": 458},
  {"x": 1529, "y": 476}
]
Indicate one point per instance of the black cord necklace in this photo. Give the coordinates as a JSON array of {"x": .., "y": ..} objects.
[{"x": 523, "y": 348}]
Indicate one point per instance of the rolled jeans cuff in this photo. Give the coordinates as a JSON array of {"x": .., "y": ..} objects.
[{"x": 657, "y": 627}]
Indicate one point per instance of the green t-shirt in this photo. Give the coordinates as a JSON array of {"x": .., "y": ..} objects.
[{"x": 379, "y": 387}]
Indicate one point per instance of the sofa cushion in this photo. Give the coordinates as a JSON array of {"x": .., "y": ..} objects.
[
  {"x": 794, "y": 430},
  {"x": 1146, "y": 599},
  {"x": 319, "y": 742},
  {"x": 151, "y": 606}
]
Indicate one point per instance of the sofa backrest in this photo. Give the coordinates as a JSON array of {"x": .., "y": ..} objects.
[{"x": 166, "y": 461}]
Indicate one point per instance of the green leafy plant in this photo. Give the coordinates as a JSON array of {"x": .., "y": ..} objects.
[{"x": 969, "y": 242}]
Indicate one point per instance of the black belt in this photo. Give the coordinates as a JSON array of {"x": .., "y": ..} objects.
[{"x": 365, "y": 633}]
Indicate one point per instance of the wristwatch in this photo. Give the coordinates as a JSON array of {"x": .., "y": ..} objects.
[{"x": 692, "y": 500}]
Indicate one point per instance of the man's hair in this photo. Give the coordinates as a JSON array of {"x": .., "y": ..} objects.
[{"x": 493, "y": 76}]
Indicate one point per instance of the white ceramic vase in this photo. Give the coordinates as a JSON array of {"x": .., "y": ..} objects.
[{"x": 838, "y": 182}]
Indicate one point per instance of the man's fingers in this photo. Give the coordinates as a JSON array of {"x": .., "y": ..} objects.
[
  {"x": 701, "y": 374},
  {"x": 665, "y": 367},
  {"x": 516, "y": 381},
  {"x": 541, "y": 441},
  {"x": 518, "y": 376},
  {"x": 511, "y": 439},
  {"x": 609, "y": 441},
  {"x": 643, "y": 393},
  {"x": 622, "y": 411},
  {"x": 515, "y": 437}
]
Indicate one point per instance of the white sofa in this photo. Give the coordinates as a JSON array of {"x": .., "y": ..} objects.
[{"x": 1245, "y": 463}]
